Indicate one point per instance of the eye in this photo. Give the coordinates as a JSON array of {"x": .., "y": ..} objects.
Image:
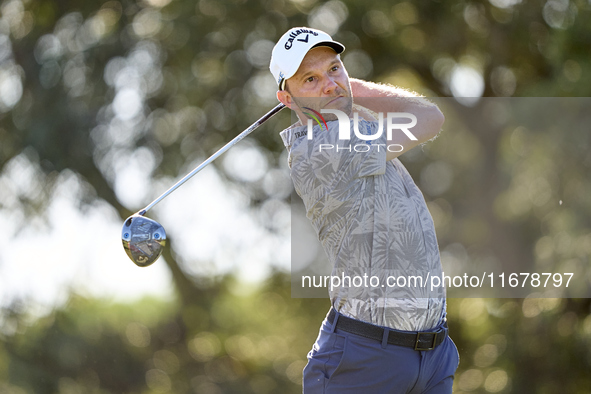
[
  {"x": 310, "y": 79},
  {"x": 334, "y": 68}
]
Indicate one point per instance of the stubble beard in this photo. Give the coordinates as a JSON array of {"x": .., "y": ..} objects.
[{"x": 344, "y": 104}]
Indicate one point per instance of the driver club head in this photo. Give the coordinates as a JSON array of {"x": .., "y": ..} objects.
[{"x": 143, "y": 239}]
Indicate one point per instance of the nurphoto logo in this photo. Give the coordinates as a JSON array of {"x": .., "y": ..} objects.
[{"x": 392, "y": 123}]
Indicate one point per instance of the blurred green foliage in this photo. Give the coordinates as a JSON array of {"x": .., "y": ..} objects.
[
  {"x": 256, "y": 342},
  {"x": 223, "y": 344},
  {"x": 84, "y": 85}
]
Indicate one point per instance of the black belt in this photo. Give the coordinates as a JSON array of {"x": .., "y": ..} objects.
[{"x": 415, "y": 339}]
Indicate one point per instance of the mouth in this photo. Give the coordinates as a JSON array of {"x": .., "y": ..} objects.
[{"x": 333, "y": 100}]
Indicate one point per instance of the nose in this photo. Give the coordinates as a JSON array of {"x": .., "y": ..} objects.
[{"x": 329, "y": 85}]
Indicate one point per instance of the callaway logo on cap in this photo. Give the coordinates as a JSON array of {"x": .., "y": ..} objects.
[{"x": 291, "y": 49}]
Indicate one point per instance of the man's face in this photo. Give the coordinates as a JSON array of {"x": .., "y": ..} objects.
[{"x": 320, "y": 82}]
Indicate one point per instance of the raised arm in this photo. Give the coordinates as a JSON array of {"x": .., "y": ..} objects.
[{"x": 386, "y": 98}]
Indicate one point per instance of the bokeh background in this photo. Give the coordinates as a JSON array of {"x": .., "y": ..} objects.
[{"x": 104, "y": 104}]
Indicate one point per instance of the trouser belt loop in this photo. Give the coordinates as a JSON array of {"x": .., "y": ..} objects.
[
  {"x": 385, "y": 338},
  {"x": 335, "y": 321}
]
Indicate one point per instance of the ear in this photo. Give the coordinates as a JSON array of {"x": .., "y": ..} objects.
[{"x": 284, "y": 97}]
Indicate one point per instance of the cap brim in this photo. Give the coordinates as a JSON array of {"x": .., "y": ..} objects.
[{"x": 338, "y": 48}]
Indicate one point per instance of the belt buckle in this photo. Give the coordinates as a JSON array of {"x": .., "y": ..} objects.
[{"x": 417, "y": 340}]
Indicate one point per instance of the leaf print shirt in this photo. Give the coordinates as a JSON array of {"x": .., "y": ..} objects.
[{"x": 371, "y": 220}]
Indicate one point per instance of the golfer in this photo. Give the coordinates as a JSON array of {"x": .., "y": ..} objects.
[{"x": 389, "y": 335}]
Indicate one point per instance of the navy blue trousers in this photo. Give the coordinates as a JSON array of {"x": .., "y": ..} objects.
[{"x": 345, "y": 363}]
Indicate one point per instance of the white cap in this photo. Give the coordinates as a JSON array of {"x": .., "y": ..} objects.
[{"x": 290, "y": 50}]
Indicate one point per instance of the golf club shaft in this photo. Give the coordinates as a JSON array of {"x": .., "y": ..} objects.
[{"x": 223, "y": 149}]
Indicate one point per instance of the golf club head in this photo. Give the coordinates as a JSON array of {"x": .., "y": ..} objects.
[{"x": 143, "y": 239}]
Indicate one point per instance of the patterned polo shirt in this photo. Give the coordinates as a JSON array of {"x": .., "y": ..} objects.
[{"x": 373, "y": 222}]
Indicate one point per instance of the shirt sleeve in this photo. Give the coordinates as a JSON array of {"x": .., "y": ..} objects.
[{"x": 327, "y": 165}]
